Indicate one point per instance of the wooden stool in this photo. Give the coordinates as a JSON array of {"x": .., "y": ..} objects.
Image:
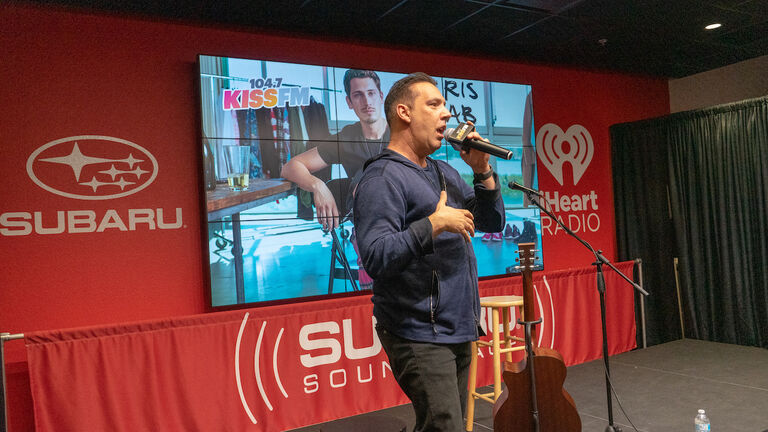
[{"x": 496, "y": 303}]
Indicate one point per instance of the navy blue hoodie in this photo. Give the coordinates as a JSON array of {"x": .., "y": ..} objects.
[{"x": 424, "y": 290}]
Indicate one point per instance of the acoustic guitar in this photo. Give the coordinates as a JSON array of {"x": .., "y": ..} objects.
[{"x": 534, "y": 398}]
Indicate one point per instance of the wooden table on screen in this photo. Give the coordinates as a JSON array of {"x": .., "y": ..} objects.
[{"x": 222, "y": 202}]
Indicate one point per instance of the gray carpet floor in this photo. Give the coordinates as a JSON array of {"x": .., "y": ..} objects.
[{"x": 660, "y": 388}]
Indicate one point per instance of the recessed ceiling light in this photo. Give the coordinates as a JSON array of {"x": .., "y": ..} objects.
[{"x": 713, "y": 26}]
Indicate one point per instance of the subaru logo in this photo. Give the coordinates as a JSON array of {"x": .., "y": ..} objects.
[{"x": 92, "y": 167}]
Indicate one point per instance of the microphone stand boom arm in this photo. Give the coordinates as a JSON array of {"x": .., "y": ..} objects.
[
  {"x": 598, "y": 254},
  {"x": 599, "y": 261}
]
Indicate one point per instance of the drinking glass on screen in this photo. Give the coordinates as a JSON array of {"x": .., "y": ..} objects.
[{"x": 237, "y": 162}]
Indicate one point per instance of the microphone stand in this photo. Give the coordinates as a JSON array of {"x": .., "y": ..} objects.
[{"x": 599, "y": 261}]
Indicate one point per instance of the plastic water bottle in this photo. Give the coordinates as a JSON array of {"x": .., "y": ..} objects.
[{"x": 701, "y": 422}]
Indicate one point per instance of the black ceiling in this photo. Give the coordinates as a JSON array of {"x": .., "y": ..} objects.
[{"x": 652, "y": 37}]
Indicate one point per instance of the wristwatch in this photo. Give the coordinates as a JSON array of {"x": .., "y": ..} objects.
[{"x": 483, "y": 176}]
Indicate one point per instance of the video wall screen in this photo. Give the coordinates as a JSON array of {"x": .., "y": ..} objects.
[{"x": 279, "y": 139}]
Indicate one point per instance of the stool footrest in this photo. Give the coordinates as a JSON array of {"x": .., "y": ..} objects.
[
  {"x": 502, "y": 342},
  {"x": 515, "y": 348},
  {"x": 502, "y": 350},
  {"x": 488, "y": 397},
  {"x": 514, "y": 338}
]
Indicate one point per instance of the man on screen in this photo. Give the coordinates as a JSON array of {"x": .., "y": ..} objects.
[
  {"x": 415, "y": 218},
  {"x": 356, "y": 143}
]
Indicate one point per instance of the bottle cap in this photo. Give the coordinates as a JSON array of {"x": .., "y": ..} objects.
[{"x": 701, "y": 411}]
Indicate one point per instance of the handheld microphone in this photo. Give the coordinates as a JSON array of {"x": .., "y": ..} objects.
[
  {"x": 457, "y": 137},
  {"x": 518, "y": 186}
]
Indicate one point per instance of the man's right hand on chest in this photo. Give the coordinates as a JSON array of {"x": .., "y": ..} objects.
[{"x": 446, "y": 218}]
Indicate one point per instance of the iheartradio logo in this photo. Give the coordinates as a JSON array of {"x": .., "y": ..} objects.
[
  {"x": 555, "y": 147},
  {"x": 92, "y": 167}
]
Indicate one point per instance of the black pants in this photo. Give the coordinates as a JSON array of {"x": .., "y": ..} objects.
[{"x": 434, "y": 377}]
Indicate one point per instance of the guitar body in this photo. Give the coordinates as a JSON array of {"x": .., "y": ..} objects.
[
  {"x": 557, "y": 411},
  {"x": 512, "y": 412}
]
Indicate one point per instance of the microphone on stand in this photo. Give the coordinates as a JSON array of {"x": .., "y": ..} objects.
[
  {"x": 521, "y": 188},
  {"x": 457, "y": 137}
]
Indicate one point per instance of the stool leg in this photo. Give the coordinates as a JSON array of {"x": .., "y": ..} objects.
[
  {"x": 496, "y": 355},
  {"x": 472, "y": 388},
  {"x": 507, "y": 334}
]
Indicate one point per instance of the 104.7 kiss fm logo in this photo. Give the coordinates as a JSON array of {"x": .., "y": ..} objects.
[
  {"x": 573, "y": 147},
  {"x": 90, "y": 168}
]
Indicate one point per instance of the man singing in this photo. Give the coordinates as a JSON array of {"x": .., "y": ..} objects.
[{"x": 415, "y": 218}]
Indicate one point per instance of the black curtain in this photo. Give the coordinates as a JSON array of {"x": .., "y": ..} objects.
[
  {"x": 644, "y": 226},
  {"x": 715, "y": 162}
]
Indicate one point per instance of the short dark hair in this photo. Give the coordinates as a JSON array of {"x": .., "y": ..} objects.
[
  {"x": 401, "y": 92},
  {"x": 358, "y": 73}
]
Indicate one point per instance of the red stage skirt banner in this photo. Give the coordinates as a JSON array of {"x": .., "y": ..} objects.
[
  {"x": 273, "y": 368},
  {"x": 569, "y": 304}
]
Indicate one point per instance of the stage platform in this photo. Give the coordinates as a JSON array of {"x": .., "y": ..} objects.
[{"x": 660, "y": 388}]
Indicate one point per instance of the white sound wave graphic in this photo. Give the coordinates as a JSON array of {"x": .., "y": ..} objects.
[
  {"x": 256, "y": 367},
  {"x": 552, "y": 311},
  {"x": 549, "y": 148},
  {"x": 237, "y": 371},
  {"x": 274, "y": 363},
  {"x": 541, "y": 309}
]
